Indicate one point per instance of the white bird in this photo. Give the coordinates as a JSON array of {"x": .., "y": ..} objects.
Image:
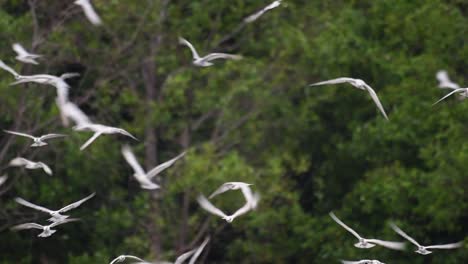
[
  {"x": 56, "y": 216},
  {"x": 69, "y": 110},
  {"x": 25, "y": 56},
  {"x": 206, "y": 60},
  {"x": 38, "y": 141},
  {"x": 124, "y": 257},
  {"x": 22, "y": 162},
  {"x": 423, "y": 250},
  {"x": 99, "y": 130},
  {"x": 89, "y": 12},
  {"x": 46, "y": 230},
  {"x": 9, "y": 69},
  {"x": 444, "y": 80},
  {"x": 258, "y": 14},
  {"x": 462, "y": 91},
  {"x": 3, "y": 179},
  {"x": 364, "y": 261},
  {"x": 358, "y": 83},
  {"x": 144, "y": 178},
  {"x": 369, "y": 243}
]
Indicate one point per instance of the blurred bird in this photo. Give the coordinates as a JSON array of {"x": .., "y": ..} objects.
[
  {"x": 56, "y": 215},
  {"x": 423, "y": 250},
  {"x": 369, "y": 243},
  {"x": 69, "y": 110},
  {"x": 244, "y": 187},
  {"x": 46, "y": 230},
  {"x": 25, "y": 56},
  {"x": 89, "y": 11},
  {"x": 358, "y": 83},
  {"x": 462, "y": 91},
  {"x": 38, "y": 141},
  {"x": 258, "y": 14},
  {"x": 124, "y": 257},
  {"x": 144, "y": 178},
  {"x": 444, "y": 80},
  {"x": 206, "y": 60},
  {"x": 99, "y": 130},
  {"x": 22, "y": 162},
  {"x": 364, "y": 261}
]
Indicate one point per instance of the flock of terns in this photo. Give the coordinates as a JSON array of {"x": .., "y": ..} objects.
[{"x": 70, "y": 111}]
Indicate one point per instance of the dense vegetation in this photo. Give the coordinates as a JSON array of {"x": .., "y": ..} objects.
[{"x": 307, "y": 150}]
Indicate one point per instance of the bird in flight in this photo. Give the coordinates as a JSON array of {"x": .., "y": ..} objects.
[
  {"x": 206, "y": 60},
  {"x": 258, "y": 14},
  {"x": 423, "y": 250},
  {"x": 25, "y": 56},
  {"x": 368, "y": 243},
  {"x": 144, "y": 178},
  {"x": 89, "y": 12},
  {"x": 444, "y": 80},
  {"x": 22, "y": 162},
  {"x": 364, "y": 261},
  {"x": 56, "y": 216},
  {"x": 462, "y": 91},
  {"x": 46, "y": 230},
  {"x": 99, "y": 130},
  {"x": 38, "y": 141},
  {"x": 360, "y": 84}
]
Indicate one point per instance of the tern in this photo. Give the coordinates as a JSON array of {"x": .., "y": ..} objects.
[
  {"x": 69, "y": 110},
  {"x": 56, "y": 216},
  {"x": 144, "y": 178},
  {"x": 89, "y": 12},
  {"x": 444, "y": 80},
  {"x": 99, "y": 130},
  {"x": 369, "y": 243},
  {"x": 462, "y": 91},
  {"x": 22, "y": 162},
  {"x": 423, "y": 250},
  {"x": 364, "y": 261},
  {"x": 258, "y": 14},
  {"x": 358, "y": 83},
  {"x": 25, "y": 56},
  {"x": 124, "y": 257},
  {"x": 38, "y": 141},
  {"x": 206, "y": 60},
  {"x": 46, "y": 230}
]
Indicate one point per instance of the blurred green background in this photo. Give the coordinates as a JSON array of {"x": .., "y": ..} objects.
[{"x": 307, "y": 150}]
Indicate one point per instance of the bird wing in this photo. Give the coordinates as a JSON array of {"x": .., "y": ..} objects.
[
  {"x": 188, "y": 44},
  {"x": 243, "y": 210},
  {"x": 249, "y": 196},
  {"x": 344, "y": 226},
  {"x": 222, "y": 189},
  {"x": 258, "y": 14},
  {"x": 334, "y": 81},
  {"x": 214, "y": 56},
  {"x": 45, "y": 168},
  {"x": 376, "y": 100},
  {"x": 20, "y": 50},
  {"x": 27, "y": 226},
  {"x": 131, "y": 160},
  {"x": 125, "y": 132},
  {"x": 72, "y": 111},
  {"x": 446, "y": 246},
  {"x": 64, "y": 221},
  {"x": 76, "y": 204},
  {"x": 69, "y": 75},
  {"x": 90, "y": 13},
  {"x": 19, "y": 134},
  {"x": 351, "y": 262},
  {"x": 205, "y": 204},
  {"x": 388, "y": 244},
  {"x": 199, "y": 251},
  {"x": 444, "y": 80},
  {"x": 449, "y": 94},
  {"x": 51, "y": 136},
  {"x": 403, "y": 234},
  {"x": 19, "y": 162},
  {"x": 8, "y": 69},
  {"x": 3, "y": 179},
  {"x": 90, "y": 140},
  {"x": 31, "y": 205},
  {"x": 182, "y": 258},
  {"x": 155, "y": 171}
]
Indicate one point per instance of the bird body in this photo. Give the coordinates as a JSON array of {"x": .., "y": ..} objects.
[
  {"x": 32, "y": 165},
  {"x": 24, "y": 56},
  {"x": 206, "y": 60},
  {"x": 360, "y": 84}
]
